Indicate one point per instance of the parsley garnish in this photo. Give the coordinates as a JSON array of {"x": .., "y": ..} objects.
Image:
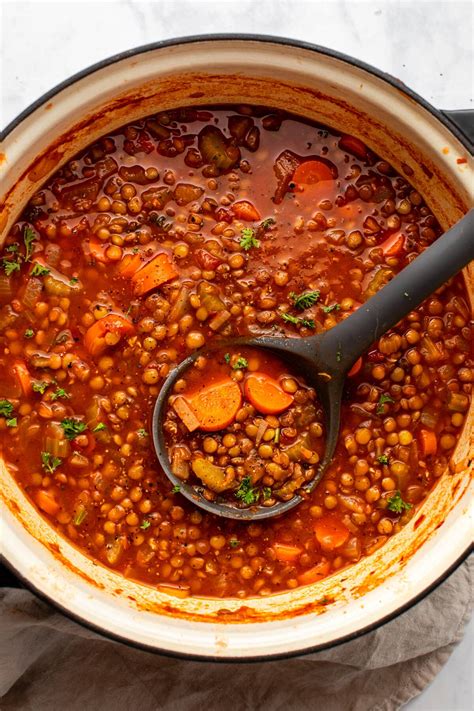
[
  {"x": 227, "y": 357},
  {"x": 13, "y": 247},
  {"x": 59, "y": 392},
  {"x": 233, "y": 543},
  {"x": 72, "y": 427},
  {"x": 12, "y": 422},
  {"x": 145, "y": 524},
  {"x": 267, "y": 492},
  {"x": 6, "y": 408},
  {"x": 50, "y": 463},
  {"x": 101, "y": 426},
  {"x": 246, "y": 492},
  {"x": 73, "y": 280},
  {"x": 142, "y": 432},
  {"x": 305, "y": 300},
  {"x": 333, "y": 307},
  {"x": 40, "y": 387},
  {"x": 10, "y": 266},
  {"x": 176, "y": 489},
  {"x": 248, "y": 239},
  {"x": 397, "y": 505},
  {"x": 382, "y": 400},
  {"x": 28, "y": 238},
  {"x": 29, "y": 333},
  {"x": 267, "y": 222},
  {"x": 297, "y": 321},
  {"x": 240, "y": 363},
  {"x": 39, "y": 270},
  {"x": 383, "y": 459}
]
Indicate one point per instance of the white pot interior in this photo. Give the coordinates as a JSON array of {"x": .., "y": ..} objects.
[{"x": 397, "y": 128}]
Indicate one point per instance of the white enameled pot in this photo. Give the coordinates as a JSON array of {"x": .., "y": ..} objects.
[{"x": 421, "y": 143}]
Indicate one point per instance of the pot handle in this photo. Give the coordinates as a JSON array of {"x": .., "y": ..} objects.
[{"x": 464, "y": 122}]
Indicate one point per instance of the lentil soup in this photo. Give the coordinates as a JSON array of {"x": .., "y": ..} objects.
[{"x": 194, "y": 225}]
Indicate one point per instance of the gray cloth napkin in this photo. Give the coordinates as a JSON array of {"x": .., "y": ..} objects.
[{"x": 48, "y": 662}]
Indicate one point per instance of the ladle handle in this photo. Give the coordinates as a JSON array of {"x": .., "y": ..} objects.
[{"x": 432, "y": 268}]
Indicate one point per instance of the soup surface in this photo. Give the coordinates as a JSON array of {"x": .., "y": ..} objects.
[{"x": 176, "y": 231}]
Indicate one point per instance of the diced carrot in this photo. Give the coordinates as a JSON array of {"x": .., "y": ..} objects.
[
  {"x": 312, "y": 171},
  {"x": 23, "y": 376},
  {"x": 184, "y": 411},
  {"x": 355, "y": 368},
  {"x": 286, "y": 552},
  {"x": 97, "y": 339},
  {"x": 47, "y": 502},
  {"x": 317, "y": 572},
  {"x": 93, "y": 247},
  {"x": 266, "y": 394},
  {"x": 130, "y": 264},
  {"x": 353, "y": 145},
  {"x": 330, "y": 532},
  {"x": 393, "y": 246},
  {"x": 427, "y": 442},
  {"x": 156, "y": 272},
  {"x": 216, "y": 405},
  {"x": 244, "y": 210}
]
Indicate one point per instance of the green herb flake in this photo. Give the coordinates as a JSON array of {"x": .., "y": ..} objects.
[
  {"x": 10, "y": 266},
  {"x": 233, "y": 543},
  {"x": 39, "y": 270},
  {"x": 176, "y": 489},
  {"x": 246, "y": 492},
  {"x": 59, "y": 393},
  {"x": 29, "y": 333},
  {"x": 383, "y": 459},
  {"x": 332, "y": 307},
  {"x": 6, "y": 408},
  {"x": 12, "y": 422},
  {"x": 29, "y": 237},
  {"x": 50, "y": 463},
  {"x": 397, "y": 505},
  {"x": 267, "y": 493},
  {"x": 267, "y": 223},
  {"x": 145, "y": 524},
  {"x": 13, "y": 247},
  {"x": 276, "y": 437},
  {"x": 297, "y": 321},
  {"x": 305, "y": 300},
  {"x": 72, "y": 427},
  {"x": 73, "y": 280},
  {"x": 248, "y": 239},
  {"x": 100, "y": 427},
  {"x": 40, "y": 387},
  {"x": 142, "y": 432},
  {"x": 79, "y": 517},
  {"x": 240, "y": 363},
  {"x": 227, "y": 357},
  {"x": 384, "y": 398}
]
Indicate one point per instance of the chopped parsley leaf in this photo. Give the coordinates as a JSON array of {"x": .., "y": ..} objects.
[
  {"x": 13, "y": 247},
  {"x": 12, "y": 422},
  {"x": 29, "y": 333},
  {"x": 10, "y": 266},
  {"x": 246, "y": 492},
  {"x": 384, "y": 398},
  {"x": 79, "y": 517},
  {"x": 145, "y": 524},
  {"x": 396, "y": 503},
  {"x": 267, "y": 492},
  {"x": 101, "y": 426},
  {"x": 268, "y": 222},
  {"x": 59, "y": 392},
  {"x": 333, "y": 307},
  {"x": 233, "y": 543},
  {"x": 240, "y": 363},
  {"x": 383, "y": 459},
  {"x": 6, "y": 408},
  {"x": 28, "y": 238},
  {"x": 73, "y": 280},
  {"x": 40, "y": 387},
  {"x": 305, "y": 300},
  {"x": 227, "y": 357},
  {"x": 176, "y": 489},
  {"x": 142, "y": 432},
  {"x": 297, "y": 321},
  {"x": 248, "y": 239},
  {"x": 50, "y": 463},
  {"x": 72, "y": 427},
  {"x": 39, "y": 270}
]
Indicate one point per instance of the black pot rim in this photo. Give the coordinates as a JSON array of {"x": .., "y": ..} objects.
[{"x": 389, "y": 79}]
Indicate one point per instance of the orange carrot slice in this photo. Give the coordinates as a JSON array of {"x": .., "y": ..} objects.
[
  {"x": 393, "y": 246},
  {"x": 216, "y": 405},
  {"x": 266, "y": 394},
  {"x": 317, "y": 572},
  {"x": 184, "y": 411},
  {"x": 23, "y": 376},
  {"x": 330, "y": 532},
  {"x": 286, "y": 552},
  {"x": 156, "y": 272},
  {"x": 355, "y": 368},
  {"x": 96, "y": 249},
  {"x": 244, "y": 210},
  {"x": 130, "y": 264},
  {"x": 428, "y": 442},
  {"x": 311, "y": 172},
  {"x": 47, "y": 502},
  {"x": 97, "y": 337}
]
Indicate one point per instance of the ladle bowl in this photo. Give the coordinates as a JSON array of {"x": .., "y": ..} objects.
[{"x": 324, "y": 359}]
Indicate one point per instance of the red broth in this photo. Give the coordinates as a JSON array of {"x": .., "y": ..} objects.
[{"x": 178, "y": 230}]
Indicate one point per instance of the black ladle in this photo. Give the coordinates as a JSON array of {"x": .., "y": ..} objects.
[{"x": 324, "y": 359}]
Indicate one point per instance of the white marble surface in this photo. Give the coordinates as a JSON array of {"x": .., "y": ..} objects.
[{"x": 427, "y": 44}]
